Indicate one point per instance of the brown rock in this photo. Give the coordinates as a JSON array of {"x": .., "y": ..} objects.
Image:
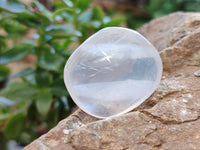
[
  {"x": 166, "y": 31},
  {"x": 153, "y": 140},
  {"x": 175, "y": 110},
  {"x": 85, "y": 139},
  {"x": 168, "y": 120}
]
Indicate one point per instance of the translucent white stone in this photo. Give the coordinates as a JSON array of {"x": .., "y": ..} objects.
[{"x": 112, "y": 72}]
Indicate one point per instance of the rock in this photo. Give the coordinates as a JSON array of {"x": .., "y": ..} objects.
[
  {"x": 169, "y": 119},
  {"x": 85, "y": 139},
  {"x": 153, "y": 140},
  {"x": 174, "y": 110},
  {"x": 166, "y": 31}
]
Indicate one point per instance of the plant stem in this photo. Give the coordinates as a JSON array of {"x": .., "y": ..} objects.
[
  {"x": 75, "y": 21},
  {"x": 3, "y": 142},
  {"x": 41, "y": 38}
]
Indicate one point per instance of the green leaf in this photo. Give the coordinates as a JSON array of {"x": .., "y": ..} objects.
[
  {"x": 29, "y": 19},
  {"x": 92, "y": 24},
  {"x": 59, "y": 89},
  {"x": 4, "y": 72},
  {"x": 53, "y": 117},
  {"x": 83, "y": 4},
  {"x": 190, "y": 5},
  {"x": 154, "y": 5},
  {"x": 16, "y": 53},
  {"x": 25, "y": 138},
  {"x": 68, "y": 3},
  {"x": 98, "y": 13},
  {"x": 4, "y": 116},
  {"x": 158, "y": 14},
  {"x": 85, "y": 17},
  {"x": 15, "y": 126},
  {"x": 62, "y": 30},
  {"x": 43, "y": 18},
  {"x": 61, "y": 46},
  {"x": 114, "y": 22},
  {"x": 47, "y": 37},
  {"x": 29, "y": 79},
  {"x": 2, "y": 43},
  {"x": 19, "y": 92},
  {"x": 43, "y": 9},
  {"x": 32, "y": 111},
  {"x": 65, "y": 13},
  {"x": 43, "y": 77},
  {"x": 12, "y": 27},
  {"x": 44, "y": 100},
  {"x": 6, "y": 102},
  {"x": 49, "y": 60},
  {"x": 24, "y": 72},
  {"x": 13, "y": 6}
]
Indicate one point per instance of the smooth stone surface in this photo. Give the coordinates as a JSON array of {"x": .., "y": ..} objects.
[{"x": 112, "y": 72}]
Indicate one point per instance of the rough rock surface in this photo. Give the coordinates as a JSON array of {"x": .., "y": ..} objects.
[{"x": 168, "y": 120}]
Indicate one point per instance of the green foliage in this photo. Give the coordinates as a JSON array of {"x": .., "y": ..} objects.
[
  {"x": 16, "y": 53},
  {"x": 15, "y": 126},
  {"x": 6, "y": 102},
  {"x": 4, "y": 72},
  {"x": 158, "y": 8},
  {"x": 20, "y": 92},
  {"x": 40, "y": 100},
  {"x": 151, "y": 9},
  {"x": 44, "y": 101},
  {"x": 98, "y": 13},
  {"x": 13, "y": 6}
]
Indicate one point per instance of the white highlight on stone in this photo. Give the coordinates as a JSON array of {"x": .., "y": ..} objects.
[
  {"x": 112, "y": 72},
  {"x": 185, "y": 100},
  {"x": 174, "y": 100},
  {"x": 184, "y": 111},
  {"x": 66, "y": 131},
  {"x": 189, "y": 96}
]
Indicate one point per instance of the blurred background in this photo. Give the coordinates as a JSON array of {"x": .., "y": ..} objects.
[{"x": 36, "y": 39}]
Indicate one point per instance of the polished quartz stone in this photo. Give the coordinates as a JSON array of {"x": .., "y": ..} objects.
[{"x": 112, "y": 72}]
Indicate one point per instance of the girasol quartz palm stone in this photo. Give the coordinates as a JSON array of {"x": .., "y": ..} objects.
[{"x": 112, "y": 72}]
